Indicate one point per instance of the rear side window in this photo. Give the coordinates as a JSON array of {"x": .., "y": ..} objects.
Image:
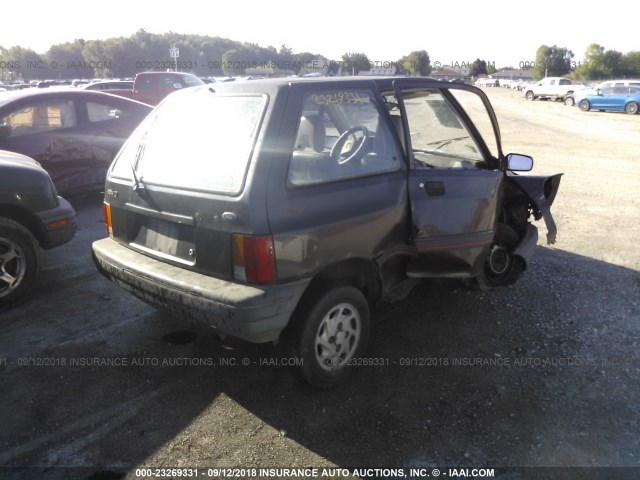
[
  {"x": 40, "y": 117},
  {"x": 100, "y": 112},
  {"x": 341, "y": 134},
  {"x": 199, "y": 141},
  {"x": 147, "y": 82}
]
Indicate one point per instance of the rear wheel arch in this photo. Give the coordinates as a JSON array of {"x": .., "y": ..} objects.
[
  {"x": 361, "y": 274},
  {"x": 357, "y": 272}
]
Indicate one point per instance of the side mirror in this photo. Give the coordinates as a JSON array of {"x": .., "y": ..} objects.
[{"x": 519, "y": 163}]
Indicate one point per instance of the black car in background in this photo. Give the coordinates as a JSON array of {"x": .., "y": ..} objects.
[
  {"x": 32, "y": 216},
  {"x": 74, "y": 134}
]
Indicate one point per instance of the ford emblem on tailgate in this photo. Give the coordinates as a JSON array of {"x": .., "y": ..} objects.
[{"x": 230, "y": 217}]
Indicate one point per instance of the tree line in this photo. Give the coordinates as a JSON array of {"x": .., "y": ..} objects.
[
  {"x": 597, "y": 64},
  {"x": 125, "y": 56},
  {"x": 215, "y": 56}
]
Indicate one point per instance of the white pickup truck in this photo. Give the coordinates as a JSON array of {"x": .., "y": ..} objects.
[{"x": 551, "y": 87}]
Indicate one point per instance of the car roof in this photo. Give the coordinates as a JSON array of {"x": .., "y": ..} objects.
[
  {"x": 167, "y": 73},
  {"x": 622, "y": 80},
  {"x": 117, "y": 83},
  {"x": 97, "y": 82},
  {"x": 18, "y": 95},
  {"x": 270, "y": 85}
]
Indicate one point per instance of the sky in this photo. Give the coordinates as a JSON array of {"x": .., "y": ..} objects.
[{"x": 507, "y": 33}]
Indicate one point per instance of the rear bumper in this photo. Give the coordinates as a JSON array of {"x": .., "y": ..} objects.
[
  {"x": 256, "y": 314},
  {"x": 59, "y": 224}
]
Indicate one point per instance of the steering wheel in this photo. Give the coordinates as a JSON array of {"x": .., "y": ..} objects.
[{"x": 358, "y": 148}]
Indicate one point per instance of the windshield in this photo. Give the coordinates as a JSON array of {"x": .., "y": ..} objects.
[{"x": 198, "y": 141}]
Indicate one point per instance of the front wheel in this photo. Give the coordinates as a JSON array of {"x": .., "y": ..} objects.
[
  {"x": 333, "y": 331},
  {"x": 502, "y": 267},
  {"x": 569, "y": 101},
  {"x": 631, "y": 108},
  {"x": 584, "y": 105},
  {"x": 19, "y": 261},
  {"x": 530, "y": 96}
]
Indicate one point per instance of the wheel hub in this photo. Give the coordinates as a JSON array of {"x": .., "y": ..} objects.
[
  {"x": 12, "y": 266},
  {"x": 499, "y": 260},
  {"x": 337, "y": 337}
]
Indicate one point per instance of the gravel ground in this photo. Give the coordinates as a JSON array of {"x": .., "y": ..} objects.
[{"x": 542, "y": 374}]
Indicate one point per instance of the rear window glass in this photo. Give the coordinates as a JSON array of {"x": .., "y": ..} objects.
[
  {"x": 197, "y": 142},
  {"x": 192, "y": 81}
]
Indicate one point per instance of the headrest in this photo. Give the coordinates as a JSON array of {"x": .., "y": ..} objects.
[{"x": 311, "y": 133}]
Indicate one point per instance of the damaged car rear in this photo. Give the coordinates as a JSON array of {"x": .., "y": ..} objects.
[{"x": 280, "y": 210}]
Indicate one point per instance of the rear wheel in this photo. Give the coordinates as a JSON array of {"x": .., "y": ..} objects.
[
  {"x": 584, "y": 105},
  {"x": 502, "y": 267},
  {"x": 333, "y": 330},
  {"x": 631, "y": 108},
  {"x": 19, "y": 261}
]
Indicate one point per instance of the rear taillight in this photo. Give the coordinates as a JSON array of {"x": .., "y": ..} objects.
[
  {"x": 107, "y": 218},
  {"x": 254, "y": 260}
]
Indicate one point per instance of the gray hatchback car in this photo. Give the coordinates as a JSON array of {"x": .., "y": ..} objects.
[{"x": 282, "y": 209}]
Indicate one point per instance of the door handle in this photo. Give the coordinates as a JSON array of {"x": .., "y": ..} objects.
[{"x": 433, "y": 188}]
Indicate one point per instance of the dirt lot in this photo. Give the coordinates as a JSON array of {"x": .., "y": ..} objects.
[{"x": 542, "y": 374}]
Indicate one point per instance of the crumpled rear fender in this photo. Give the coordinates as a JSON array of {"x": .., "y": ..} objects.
[{"x": 541, "y": 191}]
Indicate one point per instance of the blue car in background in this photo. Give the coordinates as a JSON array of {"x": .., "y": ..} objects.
[{"x": 619, "y": 99}]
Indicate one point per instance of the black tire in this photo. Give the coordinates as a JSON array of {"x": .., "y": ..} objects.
[
  {"x": 631, "y": 108},
  {"x": 569, "y": 101},
  {"x": 332, "y": 330},
  {"x": 19, "y": 262},
  {"x": 501, "y": 267},
  {"x": 530, "y": 96},
  {"x": 584, "y": 105}
]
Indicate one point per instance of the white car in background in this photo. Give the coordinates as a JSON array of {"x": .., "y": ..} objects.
[
  {"x": 555, "y": 88},
  {"x": 487, "y": 82}
]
